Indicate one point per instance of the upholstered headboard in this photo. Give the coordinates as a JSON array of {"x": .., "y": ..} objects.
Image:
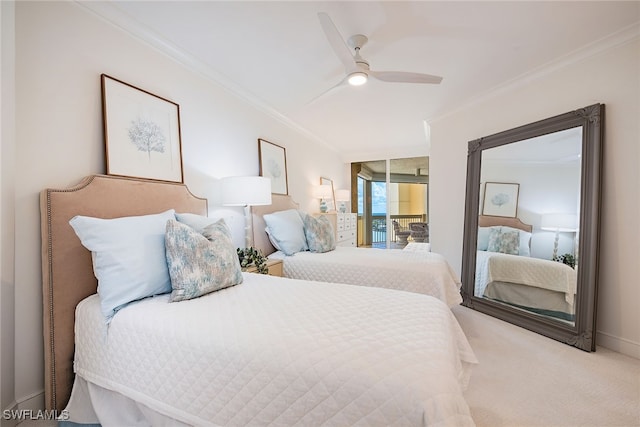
[
  {"x": 279, "y": 202},
  {"x": 67, "y": 271},
  {"x": 490, "y": 221}
]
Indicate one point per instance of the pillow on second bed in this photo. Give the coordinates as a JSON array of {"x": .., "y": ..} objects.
[
  {"x": 200, "y": 263},
  {"x": 319, "y": 233},
  {"x": 286, "y": 231}
]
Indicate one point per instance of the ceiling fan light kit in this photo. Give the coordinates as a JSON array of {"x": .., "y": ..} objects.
[{"x": 357, "y": 78}]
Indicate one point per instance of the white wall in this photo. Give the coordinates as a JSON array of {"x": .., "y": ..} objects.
[
  {"x": 7, "y": 156},
  {"x": 609, "y": 77},
  {"x": 61, "y": 50}
]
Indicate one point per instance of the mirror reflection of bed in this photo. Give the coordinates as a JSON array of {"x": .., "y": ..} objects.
[{"x": 541, "y": 286}]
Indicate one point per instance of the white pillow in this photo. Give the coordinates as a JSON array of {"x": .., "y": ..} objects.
[
  {"x": 286, "y": 231},
  {"x": 128, "y": 257},
  {"x": 483, "y": 238},
  {"x": 195, "y": 221}
]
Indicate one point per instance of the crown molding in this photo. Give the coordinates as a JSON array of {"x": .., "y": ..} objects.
[
  {"x": 111, "y": 14},
  {"x": 621, "y": 37}
]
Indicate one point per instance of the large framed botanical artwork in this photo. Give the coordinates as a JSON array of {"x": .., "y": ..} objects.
[{"x": 141, "y": 133}]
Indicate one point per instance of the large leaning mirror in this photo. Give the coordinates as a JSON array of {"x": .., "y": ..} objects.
[{"x": 531, "y": 231}]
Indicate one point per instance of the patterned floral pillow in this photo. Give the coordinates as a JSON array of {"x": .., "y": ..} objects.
[
  {"x": 507, "y": 242},
  {"x": 319, "y": 233},
  {"x": 200, "y": 263}
]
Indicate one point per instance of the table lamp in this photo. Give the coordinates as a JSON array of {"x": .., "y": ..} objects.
[
  {"x": 323, "y": 192},
  {"x": 343, "y": 196},
  {"x": 558, "y": 223},
  {"x": 246, "y": 191}
]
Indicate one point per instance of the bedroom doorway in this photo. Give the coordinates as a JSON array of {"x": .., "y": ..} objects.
[{"x": 389, "y": 196}]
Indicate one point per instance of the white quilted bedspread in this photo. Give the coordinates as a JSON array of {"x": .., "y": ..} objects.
[
  {"x": 274, "y": 351},
  {"x": 541, "y": 273},
  {"x": 414, "y": 271}
]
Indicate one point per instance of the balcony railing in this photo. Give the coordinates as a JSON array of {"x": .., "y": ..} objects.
[{"x": 379, "y": 226}]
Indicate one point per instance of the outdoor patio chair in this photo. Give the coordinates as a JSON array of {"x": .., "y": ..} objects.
[
  {"x": 401, "y": 233},
  {"x": 419, "y": 231}
]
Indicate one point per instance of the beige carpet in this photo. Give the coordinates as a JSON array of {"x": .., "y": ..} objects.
[{"x": 525, "y": 380}]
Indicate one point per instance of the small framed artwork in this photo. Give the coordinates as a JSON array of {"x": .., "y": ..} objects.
[
  {"x": 141, "y": 133},
  {"x": 500, "y": 199},
  {"x": 331, "y": 203},
  {"x": 273, "y": 164}
]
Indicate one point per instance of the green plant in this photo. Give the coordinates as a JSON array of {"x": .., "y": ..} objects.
[
  {"x": 567, "y": 259},
  {"x": 252, "y": 256}
]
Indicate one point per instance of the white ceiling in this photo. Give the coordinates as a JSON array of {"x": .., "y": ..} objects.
[{"x": 276, "y": 55}]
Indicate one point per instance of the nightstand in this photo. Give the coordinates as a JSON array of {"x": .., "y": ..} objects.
[{"x": 274, "y": 266}]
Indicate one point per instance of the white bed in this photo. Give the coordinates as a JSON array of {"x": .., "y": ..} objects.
[
  {"x": 273, "y": 351},
  {"x": 415, "y": 269},
  {"x": 268, "y": 351}
]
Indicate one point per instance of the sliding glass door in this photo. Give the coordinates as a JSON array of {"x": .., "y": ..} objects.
[{"x": 392, "y": 195}]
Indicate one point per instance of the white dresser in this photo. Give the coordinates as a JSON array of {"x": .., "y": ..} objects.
[{"x": 345, "y": 225}]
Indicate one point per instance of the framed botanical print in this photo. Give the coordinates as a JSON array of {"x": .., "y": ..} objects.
[
  {"x": 500, "y": 199},
  {"x": 273, "y": 164},
  {"x": 141, "y": 133}
]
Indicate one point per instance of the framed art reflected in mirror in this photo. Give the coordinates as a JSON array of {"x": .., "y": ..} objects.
[{"x": 500, "y": 199}]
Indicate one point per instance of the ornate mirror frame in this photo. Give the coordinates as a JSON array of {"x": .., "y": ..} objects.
[{"x": 582, "y": 333}]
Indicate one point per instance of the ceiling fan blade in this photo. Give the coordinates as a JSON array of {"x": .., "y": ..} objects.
[
  {"x": 404, "y": 77},
  {"x": 336, "y": 41},
  {"x": 340, "y": 84}
]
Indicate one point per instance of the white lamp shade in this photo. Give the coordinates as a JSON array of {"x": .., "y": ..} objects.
[
  {"x": 559, "y": 222},
  {"x": 322, "y": 191},
  {"x": 246, "y": 191},
  {"x": 343, "y": 195}
]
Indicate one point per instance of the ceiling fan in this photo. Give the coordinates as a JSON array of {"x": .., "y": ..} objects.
[{"x": 356, "y": 67}]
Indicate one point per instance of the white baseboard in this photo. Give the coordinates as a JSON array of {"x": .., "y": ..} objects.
[
  {"x": 28, "y": 406},
  {"x": 34, "y": 401},
  {"x": 617, "y": 344}
]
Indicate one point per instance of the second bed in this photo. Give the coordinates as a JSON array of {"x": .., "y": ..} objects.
[{"x": 422, "y": 272}]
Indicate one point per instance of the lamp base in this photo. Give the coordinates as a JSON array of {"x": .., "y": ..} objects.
[
  {"x": 248, "y": 230},
  {"x": 323, "y": 206},
  {"x": 555, "y": 246}
]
